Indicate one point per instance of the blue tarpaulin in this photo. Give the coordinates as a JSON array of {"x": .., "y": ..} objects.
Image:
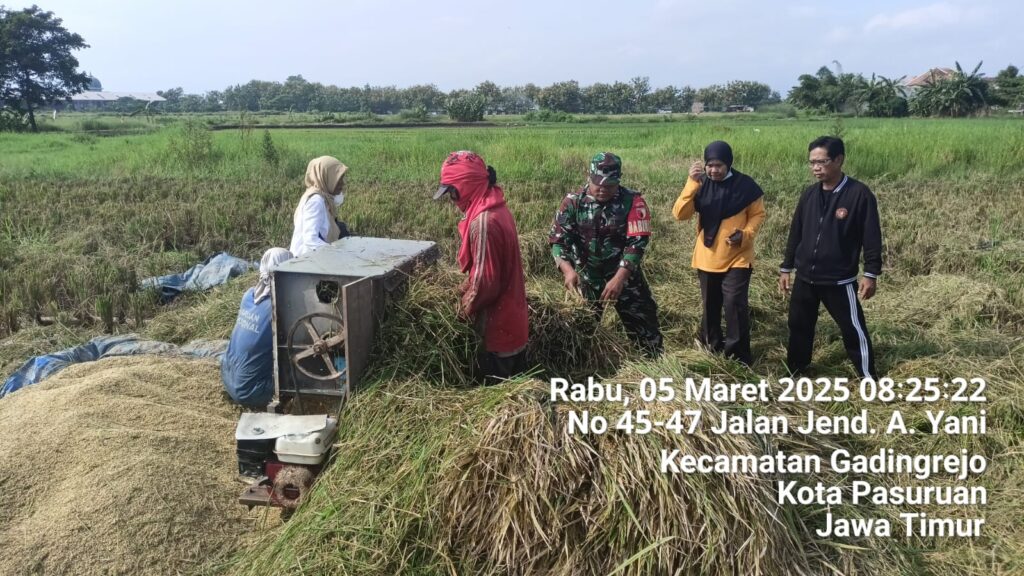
[
  {"x": 41, "y": 367},
  {"x": 215, "y": 271}
]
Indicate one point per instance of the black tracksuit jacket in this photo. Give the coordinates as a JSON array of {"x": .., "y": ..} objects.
[{"x": 829, "y": 230}]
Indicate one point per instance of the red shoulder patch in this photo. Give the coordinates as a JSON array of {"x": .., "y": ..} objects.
[{"x": 638, "y": 221}]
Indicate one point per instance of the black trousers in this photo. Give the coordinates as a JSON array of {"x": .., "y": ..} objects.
[
  {"x": 492, "y": 369},
  {"x": 730, "y": 289},
  {"x": 638, "y": 312},
  {"x": 841, "y": 303}
]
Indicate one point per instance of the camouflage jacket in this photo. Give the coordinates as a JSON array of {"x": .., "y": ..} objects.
[{"x": 596, "y": 238}]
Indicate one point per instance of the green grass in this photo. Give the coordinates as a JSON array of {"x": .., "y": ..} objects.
[
  {"x": 73, "y": 206},
  {"x": 82, "y": 217}
]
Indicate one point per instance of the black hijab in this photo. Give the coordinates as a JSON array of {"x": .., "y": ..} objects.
[{"x": 717, "y": 201}]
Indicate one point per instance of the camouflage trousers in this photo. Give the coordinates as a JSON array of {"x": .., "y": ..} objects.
[{"x": 637, "y": 310}]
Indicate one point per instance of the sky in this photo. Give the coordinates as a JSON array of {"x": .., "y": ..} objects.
[{"x": 202, "y": 45}]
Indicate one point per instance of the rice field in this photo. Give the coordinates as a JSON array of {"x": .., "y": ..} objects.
[{"x": 83, "y": 217}]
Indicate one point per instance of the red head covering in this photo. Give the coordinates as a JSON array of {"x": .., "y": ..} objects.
[{"x": 468, "y": 173}]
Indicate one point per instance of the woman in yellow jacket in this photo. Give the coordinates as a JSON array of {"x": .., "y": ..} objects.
[{"x": 730, "y": 210}]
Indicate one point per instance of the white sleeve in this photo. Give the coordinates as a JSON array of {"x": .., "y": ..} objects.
[{"x": 315, "y": 223}]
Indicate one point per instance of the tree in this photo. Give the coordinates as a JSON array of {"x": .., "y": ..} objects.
[
  {"x": 620, "y": 98},
  {"x": 641, "y": 87},
  {"x": 191, "y": 103},
  {"x": 884, "y": 97},
  {"x": 172, "y": 99},
  {"x": 252, "y": 96},
  {"x": 532, "y": 92},
  {"x": 961, "y": 94},
  {"x": 828, "y": 92},
  {"x": 295, "y": 94},
  {"x": 516, "y": 100},
  {"x": 1008, "y": 88},
  {"x": 844, "y": 97},
  {"x": 172, "y": 94},
  {"x": 423, "y": 95},
  {"x": 712, "y": 96},
  {"x": 562, "y": 97},
  {"x": 36, "y": 64},
  {"x": 747, "y": 93},
  {"x": 467, "y": 107},
  {"x": 667, "y": 98},
  {"x": 684, "y": 99},
  {"x": 380, "y": 99},
  {"x": 596, "y": 99},
  {"x": 334, "y": 99},
  {"x": 491, "y": 94},
  {"x": 213, "y": 101},
  {"x": 600, "y": 98},
  {"x": 808, "y": 94}
]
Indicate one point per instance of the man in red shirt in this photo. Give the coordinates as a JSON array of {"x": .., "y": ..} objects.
[{"x": 494, "y": 293}]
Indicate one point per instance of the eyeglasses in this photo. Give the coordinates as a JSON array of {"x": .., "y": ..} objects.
[{"x": 824, "y": 162}]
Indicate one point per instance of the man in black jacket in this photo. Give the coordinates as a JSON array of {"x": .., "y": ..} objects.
[{"x": 834, "y": 220}]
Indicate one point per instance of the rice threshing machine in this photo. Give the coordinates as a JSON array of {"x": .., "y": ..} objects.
[{"x": 326, "y": 307}]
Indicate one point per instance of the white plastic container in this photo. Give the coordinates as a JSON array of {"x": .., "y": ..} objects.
[{"x": 310, "y": 448}]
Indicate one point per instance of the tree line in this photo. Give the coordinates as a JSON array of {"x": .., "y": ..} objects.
[
  {"x": 37, "y": 68},
  {"x": 636, "y": 96},
  {"x": 960, "y": 93}
]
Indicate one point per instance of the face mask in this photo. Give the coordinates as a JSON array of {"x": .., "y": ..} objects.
[{"x": 338, "y": 198}]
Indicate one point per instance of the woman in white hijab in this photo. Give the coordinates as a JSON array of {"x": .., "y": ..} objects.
[
  {"x": 315, "y": 217},
  {"x": 271, "y": 258}
]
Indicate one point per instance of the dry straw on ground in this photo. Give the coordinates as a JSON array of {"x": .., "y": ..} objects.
[
  {"x": 431, "y": 480},
  {"x": 121, "y": 466},
  {"x": 943, "y": 303}
]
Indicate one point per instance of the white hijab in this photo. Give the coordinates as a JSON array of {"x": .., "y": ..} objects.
[
  {"x": 271, "y": 258},
  {"x": 322, "y": 177}
]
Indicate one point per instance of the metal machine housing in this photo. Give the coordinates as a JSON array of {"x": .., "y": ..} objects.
[{"x": 335, "y": 293}]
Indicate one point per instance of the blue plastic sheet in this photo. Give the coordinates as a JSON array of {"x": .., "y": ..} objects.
[
  {"x": 41, "y": 367},
  {"x": 215, "y": 271}
]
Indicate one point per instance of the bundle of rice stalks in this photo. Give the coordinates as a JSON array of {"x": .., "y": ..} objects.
[
  {"x": 567, "y": 339},
  {"x": 532, "y": 499},
  {"x": 423, "y": 337},
  {"x": 121, "y": 466}
]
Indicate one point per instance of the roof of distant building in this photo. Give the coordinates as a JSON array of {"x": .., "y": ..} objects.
[
  {"x": 930, "y": 76},
  {"x": 106, "y": 96}
]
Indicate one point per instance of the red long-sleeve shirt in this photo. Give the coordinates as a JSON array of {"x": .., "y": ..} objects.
[{"x": 495, "y": 291}]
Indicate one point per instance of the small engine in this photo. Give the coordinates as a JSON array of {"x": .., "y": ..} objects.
[{"x": 281, "y": 454}]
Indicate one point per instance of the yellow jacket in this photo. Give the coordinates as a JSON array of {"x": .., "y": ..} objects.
[{"x": 720, "y": 257}]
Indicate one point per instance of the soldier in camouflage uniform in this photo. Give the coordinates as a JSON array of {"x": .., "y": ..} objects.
[{"x": 598, "y": 240}]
